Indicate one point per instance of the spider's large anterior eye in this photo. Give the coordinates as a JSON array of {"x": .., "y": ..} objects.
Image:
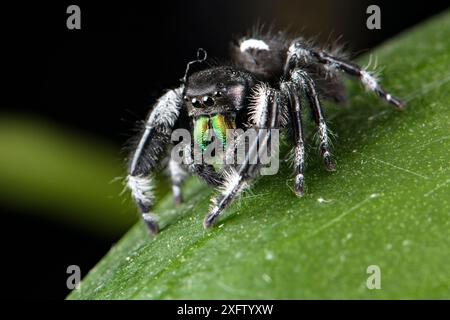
[
  {"x": 208, "y": 101},
  {"x": 196, "y": 103}
]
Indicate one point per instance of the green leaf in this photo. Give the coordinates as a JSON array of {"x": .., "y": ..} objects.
[{"x": 386, "y": 205}]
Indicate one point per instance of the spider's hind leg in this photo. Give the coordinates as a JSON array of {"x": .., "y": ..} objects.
[{"x": 300, "y": 52}]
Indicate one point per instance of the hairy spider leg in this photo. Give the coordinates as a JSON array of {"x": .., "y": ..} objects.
[
  {"x": 299, "y": 52},
  {"x": 294, "y": 106},
  {"x": 307, "y": 86},
  {"x": 149, "y": 151},
  {"x": 265, "y": 116}
]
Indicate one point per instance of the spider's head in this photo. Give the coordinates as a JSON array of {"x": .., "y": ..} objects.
[
  {"x": 214, "y": 96},
  {"x": 219, "y": 90}
]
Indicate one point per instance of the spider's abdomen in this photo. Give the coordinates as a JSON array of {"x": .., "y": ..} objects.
[{"x": 262, "y": 55}]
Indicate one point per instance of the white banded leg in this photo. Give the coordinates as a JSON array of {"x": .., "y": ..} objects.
[
  {"x": 148, "y": 153},
  {"x": 295, "y": 107},
  {"x": 177, "y": 176},
  {"x": 306, "y": 84},
  {"x": 266, "y": 107},
  {"x": 298, "y": 52}
]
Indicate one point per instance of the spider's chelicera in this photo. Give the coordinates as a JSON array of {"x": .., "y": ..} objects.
[{"x": 266, "y": 87}]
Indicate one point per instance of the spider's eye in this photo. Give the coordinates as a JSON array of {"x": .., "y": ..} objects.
[
  {"x": 208, "y": 101},
  {"x": 186, "y": 98},
  {"x": 217, "y": 94},
  {"x": 195, "y": 103}
]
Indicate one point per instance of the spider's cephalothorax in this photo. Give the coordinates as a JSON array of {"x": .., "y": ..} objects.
[
  {"x": 270, "y": 82},
  {"x": 214, "y": 98}
]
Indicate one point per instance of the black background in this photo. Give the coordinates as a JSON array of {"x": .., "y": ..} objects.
[{"x": 101, "y": 80}]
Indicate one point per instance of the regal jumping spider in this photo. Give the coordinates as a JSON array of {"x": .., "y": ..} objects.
[{"x": 270, "y": 80}]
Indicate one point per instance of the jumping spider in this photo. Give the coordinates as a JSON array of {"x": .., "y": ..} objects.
[{"x": 267, "y": 85}]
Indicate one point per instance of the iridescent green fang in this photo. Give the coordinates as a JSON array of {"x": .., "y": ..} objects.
[
  {"x": 220, "y": 127},
  {"x": 219, "y": 124},
  {"x": 201, "y": 132}
]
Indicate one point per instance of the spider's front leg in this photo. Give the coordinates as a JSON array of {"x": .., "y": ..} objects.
[
  {"x": 149, "y": 151},
  {"x": 266, "y": 110}
]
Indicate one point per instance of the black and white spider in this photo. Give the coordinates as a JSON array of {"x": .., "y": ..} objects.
[{"x": 266, "y": 86}]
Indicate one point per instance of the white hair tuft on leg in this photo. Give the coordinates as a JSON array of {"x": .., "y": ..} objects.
[
  {"x": 141, "y": 189},
  {"x": 369, "y": 80},
  {"x": 258, "y": 105}
]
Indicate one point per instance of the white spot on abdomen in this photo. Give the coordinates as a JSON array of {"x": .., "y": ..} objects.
[{"x": 253, "y": 44}]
